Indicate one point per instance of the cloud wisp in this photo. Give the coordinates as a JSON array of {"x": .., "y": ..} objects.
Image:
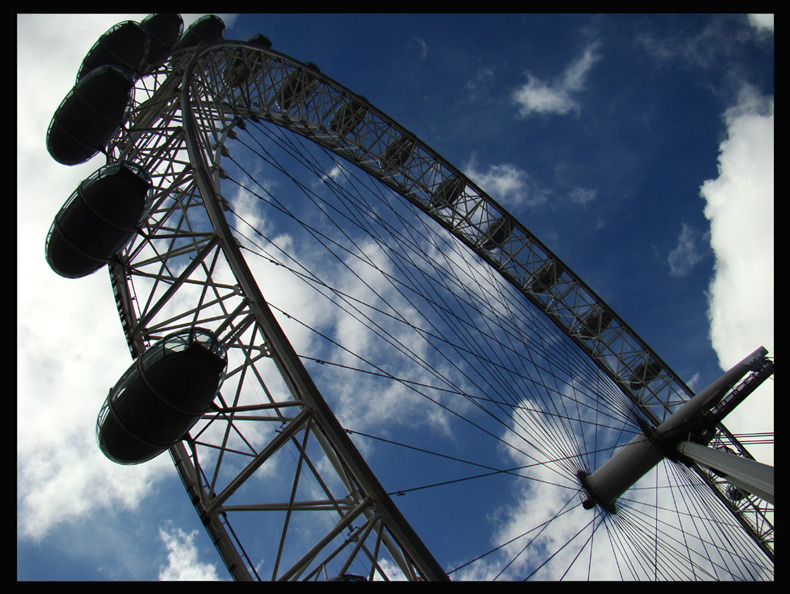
[
  {"x": 508, "y": 184},
  {"x": 686, "y": 254},
  {"x": 559, "y": 96},
  {"x": 183, "y": 563}
]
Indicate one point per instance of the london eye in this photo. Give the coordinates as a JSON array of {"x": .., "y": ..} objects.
[{"x": 235, "y": 173}]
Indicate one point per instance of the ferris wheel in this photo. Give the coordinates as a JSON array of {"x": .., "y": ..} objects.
[{"x": 289, "y": 263}]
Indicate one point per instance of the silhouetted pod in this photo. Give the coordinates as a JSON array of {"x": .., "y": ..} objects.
[
  {"x": 161, "y": 396},
  {"x": 397, "y": 153},
  {"x": 207, "y": 29},
  {"x": 545, "y": 277},
  {"x": 644, "y": 374},
  {"x": 447, "y": 192},
  {"x": 296, "y": 87},
  {"x": 125, "y": 45},
  {"x": 595, "y": 323},
  {"x": 98, "y": 219},
  {"x": 347, "y": 117},
  {"x": 240, "y": 68},
  {"x": 497, "y": 232},
  {"x": 90, "y": 115},
  {"x": 164, "y": 30}
]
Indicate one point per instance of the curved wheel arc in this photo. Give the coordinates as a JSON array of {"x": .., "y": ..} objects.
[{"x": 233, "y": 88}]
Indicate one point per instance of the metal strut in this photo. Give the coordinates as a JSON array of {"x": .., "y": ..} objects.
[
  {"x": 291, "y": 367},
  {"x": 681, "y": 437},
  {"x": 749, "y": 475}
]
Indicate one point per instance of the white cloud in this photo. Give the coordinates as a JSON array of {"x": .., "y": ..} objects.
[
  {"x": 538, "y": 97},
  {"x": 507, "y": 184},
  {"x": 583, "y": 196},
  {"x": 70, "y": 349},
  {"x": 420, "y": 46},
  {"x": 480, "y": 82},
  {"x": 575, "y": 75},
  {"x": 686, "y": 254},
  {"x": 183, "y": 563},
  {"x": 70, "y": 345},
  {"x": 710, "y": 45},
  {"x": 558, "y": 96},
  {"x": 740, "y": 208},
  {"x": 762, "y": 22}
]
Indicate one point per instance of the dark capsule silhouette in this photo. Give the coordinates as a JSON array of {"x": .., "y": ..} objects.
[
  {"x": 125, "y": 44},
  {"x": 243, "y": 63},
  {"x": 595, "y": 323},
  {"x": 497, "y": 233},
  {"x": 260, "y": 40},
  {"x": 205, "y": 30},
  {"x": 161, "y": 396},
  {"x": 296, "y": 87},
  {"x": 98, "y": 219},
  {"x": 397, "y": 153},
  {"x": 348, "y": 116},
  {"x": 447, "y": 192},
  {"x": 90, "y": 115},
  {"x": 545, "y": 277},
  {"x": 164, "y": 31},
  {"x": 644, "y": 374}
]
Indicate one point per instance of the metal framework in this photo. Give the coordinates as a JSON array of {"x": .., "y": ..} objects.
[{"x": 185, "y": 268}]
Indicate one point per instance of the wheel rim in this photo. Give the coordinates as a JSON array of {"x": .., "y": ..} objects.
[{"x": 199, "y": 252}]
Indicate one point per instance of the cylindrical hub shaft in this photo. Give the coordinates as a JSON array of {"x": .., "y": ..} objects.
[{"x": 637, "y": 457}]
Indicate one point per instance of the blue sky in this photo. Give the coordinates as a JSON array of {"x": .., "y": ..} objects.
[{"x": 639, "y": 148}]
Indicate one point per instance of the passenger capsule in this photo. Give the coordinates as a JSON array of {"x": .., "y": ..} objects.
[
  {"x": 161, "y": 396},
  {"x": 164, "y": 31},
  {"x": 496, "y": 234},
  {"x": 98, "y": 219},
  {"x": 545, "y": 277},
  {"x": 237, "y": 72},
  {"x": 397, "y": 153},
  {"x": 644, "y": 374},
  {"x": 90, "y": 115},
  {"x": 296, "y": 87},
  {"x": 207, "y": 29},
  {"x": 347, "y": 117},
  {"x": 447, "y": 192},
  {"x": 595, "y": 323},
  {"x": 125, "y": 45},
  {"x": 260, "y": 40}
]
